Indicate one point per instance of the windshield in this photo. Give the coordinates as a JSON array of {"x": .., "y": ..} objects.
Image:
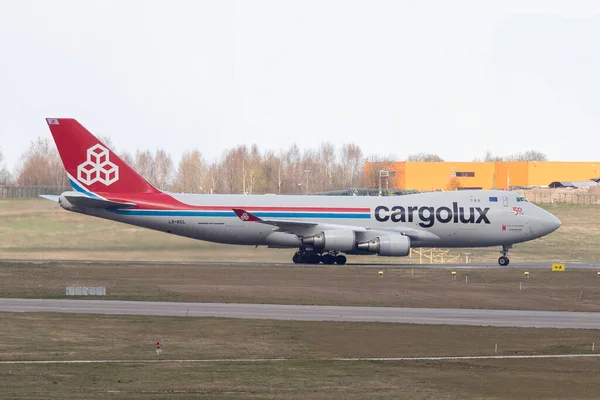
[{"x": 519, "y": 199}]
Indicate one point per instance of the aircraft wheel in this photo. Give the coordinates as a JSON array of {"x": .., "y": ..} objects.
[
  {"x": 303, "y": 259},
  {"x": 296, "y": 258},
  {"x": 503, "y": 261},
  {"x": 314, "y": 258},
  {"x": 328, "y": 259},
  {"x": 340, "y": 260}
]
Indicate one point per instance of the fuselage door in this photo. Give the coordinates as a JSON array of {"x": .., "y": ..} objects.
[{"x": 505, "y": 201}]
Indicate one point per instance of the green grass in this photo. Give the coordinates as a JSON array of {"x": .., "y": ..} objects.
[
  {"x": 39, "y": 336},
  {"x": 498, "y": 379},
  {"x": 492, "y": 288},
  {"x": 305, "y": 375}
]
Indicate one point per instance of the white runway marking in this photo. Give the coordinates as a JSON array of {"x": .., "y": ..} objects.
[{"x": 267, "y": 360}]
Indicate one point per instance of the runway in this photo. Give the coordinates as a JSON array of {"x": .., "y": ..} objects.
[
  {"x": 436, "y": 316},
  {"x": 491, "y": 264}
]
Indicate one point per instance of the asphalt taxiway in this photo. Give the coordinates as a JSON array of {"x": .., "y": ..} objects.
[{"x": 436, "y": 316}]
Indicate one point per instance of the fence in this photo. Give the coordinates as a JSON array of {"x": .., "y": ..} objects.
[
  {"x": 438, "y": 256},
  {"x": 555, "y": 197},
  {"x": 549, "y": 196},
  {"x": 27, "y": 192}
]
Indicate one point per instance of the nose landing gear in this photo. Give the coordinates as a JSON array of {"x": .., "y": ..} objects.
[{"x": 504, "y": 260}]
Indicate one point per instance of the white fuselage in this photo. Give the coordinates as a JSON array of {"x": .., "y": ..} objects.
[{"x": 437, "y": 219}]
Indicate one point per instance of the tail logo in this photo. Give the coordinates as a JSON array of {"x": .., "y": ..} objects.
[
  {"x": 245, "y": 217},
  {"x": 97, "y": 167}
]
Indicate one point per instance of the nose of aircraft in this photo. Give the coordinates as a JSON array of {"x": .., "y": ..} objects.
[{"x": 545, "y": 223}]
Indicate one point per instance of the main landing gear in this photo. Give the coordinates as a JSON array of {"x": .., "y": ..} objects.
[
  {"x": 503, "y": 260},
  {"x": 312, "y": 257}
]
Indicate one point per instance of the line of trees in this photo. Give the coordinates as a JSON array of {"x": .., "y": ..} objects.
[
  {"x": 530, "y": 155},
  {"x": 242, "y": 169}
]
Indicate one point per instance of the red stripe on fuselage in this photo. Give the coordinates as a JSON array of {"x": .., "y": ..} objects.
[{"x": 163, "y": 201}]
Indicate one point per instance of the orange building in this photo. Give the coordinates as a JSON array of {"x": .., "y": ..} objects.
[{"x": 427, "y": 176}]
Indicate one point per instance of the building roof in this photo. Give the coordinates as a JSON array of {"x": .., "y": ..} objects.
[{"x": 567, "y": 184}]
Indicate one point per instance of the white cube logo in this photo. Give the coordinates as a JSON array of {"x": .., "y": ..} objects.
[{"x": 97, "y": 167}]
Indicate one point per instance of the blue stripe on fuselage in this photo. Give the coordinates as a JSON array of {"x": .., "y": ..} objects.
[
  {"x": 192, "y": 213},
  {"x": 80, "y": 189}
]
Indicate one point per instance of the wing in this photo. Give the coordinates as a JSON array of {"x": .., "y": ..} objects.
[
  {"x": 304, "y": 228},
  {"x": 283, "y": 225}
]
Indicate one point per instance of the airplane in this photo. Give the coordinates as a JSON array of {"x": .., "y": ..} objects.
[{"x": 324, "y": 229}]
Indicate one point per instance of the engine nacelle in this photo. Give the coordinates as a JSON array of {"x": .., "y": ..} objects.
[
  {"x": 391, "y": 246},
  {"x": 340, "y": 240},
  {"x": 281, "y": 239}
]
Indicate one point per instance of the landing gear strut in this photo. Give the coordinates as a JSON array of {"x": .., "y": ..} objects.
[
  {"x": 312, "y": 257},
  {"x": 504, "y": 260}
]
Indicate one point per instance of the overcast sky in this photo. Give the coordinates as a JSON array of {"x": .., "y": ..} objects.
[{"x": 449, "y": 77}]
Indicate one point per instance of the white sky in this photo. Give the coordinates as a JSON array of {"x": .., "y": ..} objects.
[{"x": 449, "y": 77}]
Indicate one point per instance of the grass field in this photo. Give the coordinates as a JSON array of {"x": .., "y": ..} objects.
[
  {"x": 304, "y": 379},
  {"x": 573, "y": 289},
  {"x": 34, "y": 229},
  {"x": 38, "y": 229},
  {"x": 305, "y": 375}
]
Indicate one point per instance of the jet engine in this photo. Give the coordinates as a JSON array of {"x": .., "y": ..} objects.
[
  {"x": 391, "y": 246},
  {"x": 339, "y": 240}
]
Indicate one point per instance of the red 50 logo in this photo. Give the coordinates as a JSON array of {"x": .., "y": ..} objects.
[{"x": 517, "y": 210}]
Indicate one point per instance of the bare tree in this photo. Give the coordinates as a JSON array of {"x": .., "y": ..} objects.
[
  {"x": 351, "y": 165},
  {"x": 292, "y": 170},
  {"x": 190, "y": 173},
  {"x": 5, "y": 177},
  {"x": 144, "y": 165},
  {"x": 234, "y": 166},
  {"x": 254, "y": 170},
  {"x": 530, "y": 155},
  {"x": 107, "y": 141},
  {"x": 127, "y": 158},
  {"x": 213, "y": 179},
  {"x": 42, "y": 165},
  {"x": 488, "y": 157},
  {"x": 327, "y": 157},
  {"x": 424, "y": 157},
  {"x": 163, "y": 169},
  {"x": 271, "y": 169},
  {"x": 374, "y": 165}
]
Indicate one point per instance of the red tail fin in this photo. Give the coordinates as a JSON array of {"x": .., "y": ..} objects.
[{"x": 90, "y": 164}]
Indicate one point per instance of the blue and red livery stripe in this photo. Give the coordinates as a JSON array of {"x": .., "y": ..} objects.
[
  {"x": 261, "y": 214},
  {"x": 162, "y": 204}
]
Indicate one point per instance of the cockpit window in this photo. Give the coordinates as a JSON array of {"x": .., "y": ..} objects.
[{"x": 519, "y": 199}]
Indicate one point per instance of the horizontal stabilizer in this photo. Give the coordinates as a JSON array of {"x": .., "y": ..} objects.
[
  {"x": 80, "y": 200},
  {"x": 51, "y": 197}
]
